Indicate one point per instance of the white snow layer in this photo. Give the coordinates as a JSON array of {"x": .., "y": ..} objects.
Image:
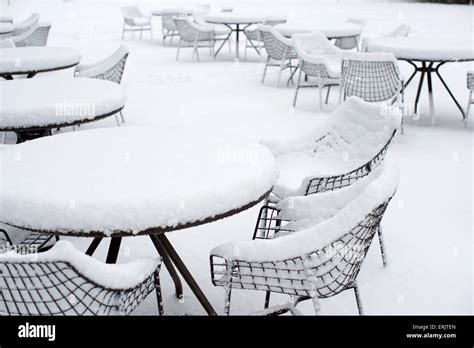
[
  {"x": 241, "y": 17},
  {"x": 26, "y": 59},
  {"x": 353, "y": 134},
  {"x": 113, "y": 276},
  {"x": 43, "y": 101},
  {"x": 382, "y": 186},
  {"x": 130, "y": 179}
]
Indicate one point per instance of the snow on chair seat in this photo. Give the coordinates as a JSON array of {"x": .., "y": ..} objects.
[
  {"x": 64, "y": 281},
  {"x": 319, "y": 260},
  {"x": 348, "y": 147}
]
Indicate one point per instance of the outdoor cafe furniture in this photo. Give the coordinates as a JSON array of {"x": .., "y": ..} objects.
[
  {"x": 135, "y": 20},
  {"x": 33, "y": 60},
  {"x": 26, "y": 24},
  {"x": 133, "y": 181},
  {"x": 37, "y": 35},
  {"x": 401, "y": 30},
  {"x": 33, "y": 107},
  {"x": 332, "y": 30},
  {"x": 427, "y": 55},
  {"x": 470, "y": 86}
]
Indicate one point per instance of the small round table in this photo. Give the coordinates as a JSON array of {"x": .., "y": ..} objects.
[
  {"x": 6, "y": 29},
  {"x": 426, "y": 55},
  {"x": 31, "y": 108},
  {"x": 330, "y": 30},
  {"x": 237, "y": 22},
  {"x": 184, "y": 11},
  {"x": 33, "y": 60},
  {"x": 130, "y": 181}
]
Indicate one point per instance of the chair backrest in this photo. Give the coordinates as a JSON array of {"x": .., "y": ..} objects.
[
  {"x": 51, "y": 283},
  {"x": 276, "y": 45},
  {"x": 167, "y": 20},
  {"x": 25, "y": 25},
  {"x": 36, "y": 36},
  {"x": 110, "y": 69},
  {"x": 189, "y": 30},
  {"x": 318, "y": 56},
  {"x": 373, "y": 77}
]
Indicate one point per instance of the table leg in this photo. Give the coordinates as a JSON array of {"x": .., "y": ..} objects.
[
  {"x": 169, "y": 266},
  {"x": 185, "y": 273},
  {"x": 114, "y": 248},
  {"x": 420, "y": 86},
  {"x": 237, "y": 30},
  {"x": 95, "y": 243},
  {"x": 30, "y": 75},
  {"x": 430, "y": 95},
  {"x": 449, "y": 91},
  {"x": 225, "y": 40}
]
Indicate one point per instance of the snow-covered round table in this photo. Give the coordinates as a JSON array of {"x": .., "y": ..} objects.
[
  {"x": 32, "y": 107},
  {"x": 33, "y": 60},
  {"x": 129, "y": 181},
  {"x": 427, "y": 55},
  {"x": 6, "y": 29},
  {"x": 237, "y": 22},
  {"x": 332, "y": 30}
]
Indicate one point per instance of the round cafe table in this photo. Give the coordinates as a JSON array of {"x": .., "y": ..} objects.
[
  {"x": 330, "y": 30},
  {"x": 33, "y": 60},
  {"x": 132, "y": 181},
  {"x": 237, "y": 22},
  {"x": 427, "y": 55},
  {"x": 31, "y": 108},
  {"x": 6, "y": 29}
]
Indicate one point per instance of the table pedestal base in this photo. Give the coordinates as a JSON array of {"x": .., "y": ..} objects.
[{"x": 427, "y": 68}]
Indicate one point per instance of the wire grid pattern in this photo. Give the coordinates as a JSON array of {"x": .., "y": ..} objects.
[
  {"x": 470, "y": 80},
  {"x": 167, "y": 20},
  {"x": 331, "y": 183},
  {"x": 189, "y": 33},
  {"x": 372, "y": 81},
  {"x": 347, "y": 43},
  {"x": 115, "y": 73},
  {"x": 275, "y": 48},
  {"x": 33, "y": 240},
  {"x": 27, "y": 24},
  {"x": 318, "y": 70},
  {"x": 57, "y": 288},
  {"x": 322, "y": 273},
  {"x": 39, "y": 37}
]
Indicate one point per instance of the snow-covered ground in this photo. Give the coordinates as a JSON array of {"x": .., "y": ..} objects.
[{"x": 428, "y": 226}]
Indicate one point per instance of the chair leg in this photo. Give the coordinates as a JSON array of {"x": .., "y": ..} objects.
[
  {"x": 282, "y": 64},
  {"x": 179, "y": 47},
  {"x": 358, "y": 300},
  {"x": 327, "y": 95},
  {"x": 267, "y": 299},
  {"x": 159, "y": 298},
  {"x": 320, "y": 91},
  {"x": 297, "y": 88},
  {"x": 117, "y": 120},
  {"x": 123, "y": 30},
  {"x": 468, "y": 109},
  {"x": 228, "y": 293},
  {"x": 382, "y": 246},
  {"x": 265, "y": 69},
  {"x": 121, "y": 116}
]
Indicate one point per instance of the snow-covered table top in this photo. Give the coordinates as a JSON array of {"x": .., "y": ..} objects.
[
  {"x": 131, "y": 179},
  {"x": 330, "y": 30},
  {"x": 240, "y": 18},
  {"x": 24, "y": 60},
  {"x": 6, "y": 28},
  {"x": 422, "y": 48},
  {"x": 183, "y": 10},
  {"x": 46, "y": 102}
]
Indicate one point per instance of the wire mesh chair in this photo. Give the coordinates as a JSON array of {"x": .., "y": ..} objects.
[
  {"x": 280, "y": 52},
  {"x": 221, "y": 32},
  {"x": 252, "y": 35},
  {"x": 373, "y": 77},
  {"x": 135, "y": 20},
  {"x": 37, "y": 35},
  {"x": 31, "y": 286},
  {"x": 194, "y": 36},
  {"x": 168, "y": 26},
  {"x": 470, "y": 86},
  {"x": 321, "y": 273},
  {"x": 26, "y": 25},
  {"x": 400, "y": 31},
  {"x": 110, "y": 69},
  {"x": 31, "y": 240},
  {"x": 320, "y": 59},
  {"x": 351, "y": 42}
]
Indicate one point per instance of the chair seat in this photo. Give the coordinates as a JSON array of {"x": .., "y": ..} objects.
[{"x": 141, "y": 21}]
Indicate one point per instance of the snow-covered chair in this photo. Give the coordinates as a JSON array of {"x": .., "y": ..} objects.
[
  {"x": 26, "y": 25},
  {"x": 252, "y": 35},
  {"x": 280, "y": 51},
  {"x": 135, "y": 20},
  {"x": 351, "y": 42},
  {"x": 168, "y": 26},
  {"x": 349, "y": 146},
  {"x": 400, "y": 31},
  {"x": 64, "y": 281},
  {"x": 37, "y": 35},
  {"x": 470, "y": 86},
  {"x": 110, "y": 69},
  {"x": 318, "y": 58},
  {"x": 33, "y": 240},
  {"x": 373, "y": 77},
  {"x": 221, "y": 32},
  {"x": 194, "y": 36},
  {"x": 310, "y": 254}
]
